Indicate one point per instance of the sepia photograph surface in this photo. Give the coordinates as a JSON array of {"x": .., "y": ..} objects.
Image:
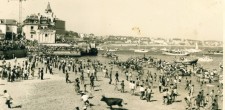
[{"x": 111, "y": 54}]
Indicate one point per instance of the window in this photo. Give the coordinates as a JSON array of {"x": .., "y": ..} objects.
[
  {"x": 46, "y": 35},
  {"x": 31, "y": 36},
  {"x": 32, "y": 27}
]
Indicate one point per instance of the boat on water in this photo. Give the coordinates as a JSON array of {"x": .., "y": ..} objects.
[
  {"x": 100, "y": 48},
  {"x": 187, "y": 61},
  {"x": 195, "y": 50},
  {"x": 218, "y": 53},
  {"x": 141, "y": 51},
  {"x": 153, "y": 49},
  {"x": 176, "y": 53},
  {"x": 205, "y": 59},
  {"x": 214, "y": 53},
  {"x": 112, "y": 50},
  {"x": 164, "y": 49}
]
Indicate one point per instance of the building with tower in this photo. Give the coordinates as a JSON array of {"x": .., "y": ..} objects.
[{"x": 43, "y": 28}]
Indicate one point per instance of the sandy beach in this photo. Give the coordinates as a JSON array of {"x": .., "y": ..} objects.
[{"x": 53, "y": 93}]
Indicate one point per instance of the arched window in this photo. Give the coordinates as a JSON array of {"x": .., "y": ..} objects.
[
  {"x": 32, "y": 27},
  {"x": 46, "y": 35}
]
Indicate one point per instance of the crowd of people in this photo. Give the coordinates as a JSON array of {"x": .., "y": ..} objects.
[
  {"x": 125, "y": 79},
  {"x": 11, "y": 45}
]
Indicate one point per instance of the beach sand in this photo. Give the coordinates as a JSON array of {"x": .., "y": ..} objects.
[{"x": 53, "y": 93}]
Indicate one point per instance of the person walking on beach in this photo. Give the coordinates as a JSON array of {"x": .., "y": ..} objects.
[
  {"x": 122, "y": 86},
  {"x": 77, "y": 85}
]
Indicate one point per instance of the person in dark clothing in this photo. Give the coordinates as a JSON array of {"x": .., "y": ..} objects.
[
  {"x": 215, "y": 105},
  {"x": 9, "y": 76},
  {"x": 92, "y": 78},
  {"x": 95, "y": 74},
  {"x": 67, "y": 77},
  {"x": 122, "y": 86},
  {"x": 42, "y": 73},
  {"x": 110, "y": 78},
  {"x": 117, "y": 76}
]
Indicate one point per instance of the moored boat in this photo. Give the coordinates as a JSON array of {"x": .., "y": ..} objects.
[
  {"x": 187, "y": 61},
  {"x": 195, "y": 50},
  {"x": 112, "y": 50},
  {"x": 205, "y": 59},
  {"x": 100, "y": 48},
  {"x": 141, "y": 50},
  {"x": 175, "y": 53}
]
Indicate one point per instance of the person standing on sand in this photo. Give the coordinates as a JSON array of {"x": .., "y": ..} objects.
[
  {"x": 95, "y": 74},
  {"x": 92, "y": 82},
  {"x": 39, "y": 72},
  {"x": 127, "y": 75},
  {"x": 117, "y": 76},
  {"x": 160, "y": 86},
  {"x": 110, "y": 77},
  {"x": 192, "y": 90},
  {"x": 122, "y": 86},
  {"x": 116, "y": 87},
  {"x": 148, "y": 94},
  {"x": 142, "y": 91},
  {"x": 42, "y": 73},
  {"x": 67, "y": 77}
]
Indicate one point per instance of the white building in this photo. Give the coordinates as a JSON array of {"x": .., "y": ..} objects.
[
  {"x": 46, "y": 36},
  {"x": 40, "y": 27},
  {"x": 7, "y": 26}
]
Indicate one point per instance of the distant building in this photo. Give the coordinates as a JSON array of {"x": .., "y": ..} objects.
[
  {"x": 43, "y": 28},
  {"x": 60, "y": 26},
  {"x": 8, "y": 27}
]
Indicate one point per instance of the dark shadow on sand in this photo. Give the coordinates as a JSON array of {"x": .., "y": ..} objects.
[
  {"x": 118, "y": 109},
  {"x": 153, "y": 100},
  {"x": 17, "y": 106},
  {"x": 98, "y": 89}
]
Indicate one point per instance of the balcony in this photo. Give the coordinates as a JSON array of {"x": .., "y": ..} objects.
[{"x": 32, "y": 32}]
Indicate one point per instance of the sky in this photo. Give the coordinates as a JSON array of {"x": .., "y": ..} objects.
[{"x": 192, "y": 19}]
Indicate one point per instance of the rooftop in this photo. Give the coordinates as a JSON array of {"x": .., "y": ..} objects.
[{"x": 8, "y": 21}]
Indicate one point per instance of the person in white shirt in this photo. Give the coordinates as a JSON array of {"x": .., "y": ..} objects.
[
  {"x": 132, "y": 87},
  {"x": 84, "y": 98},
  {"x": 8, "y": 98},
  {"x": 142, "y": 91},
  {"x": 148, "y": 94}
]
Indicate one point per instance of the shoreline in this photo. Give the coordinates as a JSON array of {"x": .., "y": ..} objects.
[{"x": 127, "y": 45}]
